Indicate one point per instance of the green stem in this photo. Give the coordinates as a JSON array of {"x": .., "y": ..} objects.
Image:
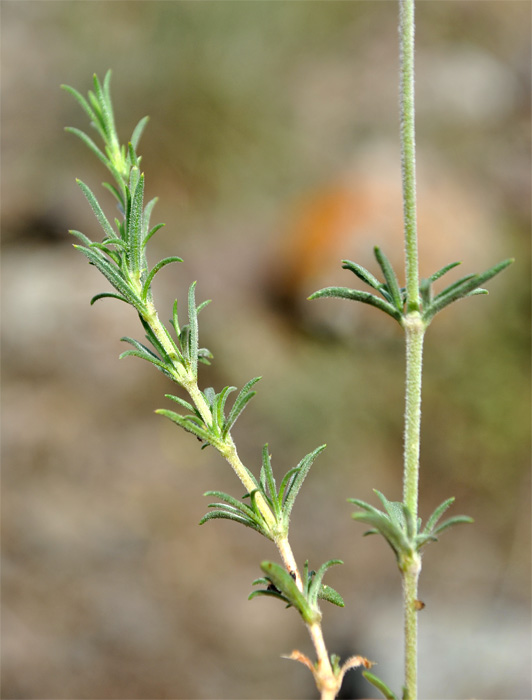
[
  {"x": 410, "y": 575},
  {"x": 414, "y": 332},
  {"x": 408, "y": 151}
]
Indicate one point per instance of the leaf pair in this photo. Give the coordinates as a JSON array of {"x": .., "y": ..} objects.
[
  {"x": 281, "y": 584},
  {"x": 216, "y": 432},
  {"x": 394, "y": 297},
  {"x": 177, "y": 358},
  {"x": 280, "y": 500},
  {"x": 398, "y": 528}
]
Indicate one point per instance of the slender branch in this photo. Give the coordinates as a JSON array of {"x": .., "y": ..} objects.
[
  {"x": 415, "y": 332},
  {"x": 408, "y": 151}
]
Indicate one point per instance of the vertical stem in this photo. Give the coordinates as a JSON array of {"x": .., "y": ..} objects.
[
  {"x": 411, "y": 567},
  {"x": 408, "y": 151},
  {"x": 414, "y": 331}
]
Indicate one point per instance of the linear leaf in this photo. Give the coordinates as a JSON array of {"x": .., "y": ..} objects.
[
  {"x": 231, "y": 500},
  {"x": 244, "y": 396},
  {"x": 380, "y": 685},
  {"x": 363, "y": 274},
  {"x": 282, "y": 580},
  {"x": 391, "y": 278},
  {"x": 154, "y": 271},
  {"x": 186, "y": 423},
  {"x": 103, "y": 295},
  {"x": 456, "y": 520},
  {"x": 135, "y": 226},
  {"x": 89, "y": 143},
  {"x": 357, "y": 295},
  {"x": 98, "y": 211},
  {"x": 81, "y": 101},
  {"x": 436, "y": 515},
  {"x": 110, "y": 272},
  {"x": 193, "y": 326},
  {"x": 443, "y": 271},
  {"x": 137, "y": 132},
  {"x": 295, "y": 485},
  {"x": 315, "y": 584},
  {"x": 330, "y": 595},
  {"x": 222, "y": 515}
]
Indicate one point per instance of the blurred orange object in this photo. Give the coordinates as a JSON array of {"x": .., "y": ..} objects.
[{"x": 346, "y": 218}]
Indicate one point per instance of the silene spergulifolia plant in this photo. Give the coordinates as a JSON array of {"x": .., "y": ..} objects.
[{"x": 174, "y": 349}]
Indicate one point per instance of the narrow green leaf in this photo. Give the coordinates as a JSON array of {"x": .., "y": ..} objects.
[
  {"x": 357, "y": 295},
  {"x": 269, "y": 477},
  {"x": 151, "y": 233},
  {"x": 105, "y": 106},
  {"x": 456, "y": 520},
  {"x": 232, "y": 501},
  {"x": 222, "y": 515},
  {"x": 134, "y": 226},
  {"x": 330, "y": 595},
  {"x": 268, "y": 592},
  {"x": 244, "y": 396},
  {"x": 436, "y": 515},
  {"x": 117, "y": 195},
  {"x": 443, "y": 271},
  {"x": 103, "y": 295},
  {"x": 148, "y": 357},
  {"x": 282, "y": 580},
  {"x": 111, "y": 273},
  {"x": 363, "y": 274},
  {"x": 98, "y": 211},
  {"x": 175, "y": 319},
  {"x": 187, "y": 423},
  {"x": 82, "y": 102},
  {"x": 392, "y": 534},
  {"x": 137, "y": 132},
  {"x": 380, "y": 685},
  {"x": 286, "y": 483},
  {"x": 89, "y": 143},
  {"x": 463, "y": 288},
  {"x": 391, "y": 278},
  {"x": 393, "y": 508},
  {"x": 193, "y": 326},
  {"x": 183, "y": 403},
  {"x": 315, "y": 584},
  {"x": 154, "y": 271},
  {"x": 295, "y": 485}
]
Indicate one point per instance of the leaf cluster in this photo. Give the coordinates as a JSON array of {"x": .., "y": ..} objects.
[
  {"x": 121, "y": 255},
  {"x": 396, "y": 524},
  {"x": 281, "y": 584},
  {"x": 280, "y": 499},
  {"x": 217, "y": 432},
  {"x": 392, "y": 299}
]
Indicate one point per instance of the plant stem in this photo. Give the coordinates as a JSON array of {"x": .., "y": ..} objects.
[
  {"x": 327, "y": 683},
  {"x": 414, "y": 332},
  {"x": 408, "y": 151}
]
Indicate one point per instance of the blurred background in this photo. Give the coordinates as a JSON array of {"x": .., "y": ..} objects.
[{"x": 273, "y": 146}]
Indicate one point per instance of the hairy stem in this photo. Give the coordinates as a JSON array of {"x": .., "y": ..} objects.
[
  {"x": 327, "y": 683},
  {"x": 410, "y": 586},
  {"x": 231, "y": 455},
  {"x": 414, "y": 331},
  {"x": 408, "y": 151}
]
